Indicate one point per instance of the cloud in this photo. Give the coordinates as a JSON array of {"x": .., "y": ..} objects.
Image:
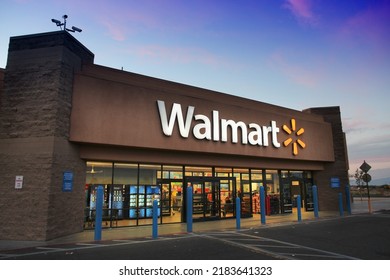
[
  {"x": 296, "y": 72},
  {"x": 115, "y": 31},
  {"x": 369, "y": 26},
  {"x": 302, "y": 10}
]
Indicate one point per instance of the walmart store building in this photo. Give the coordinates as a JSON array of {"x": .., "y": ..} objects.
[{"x": 68, "y": 126}]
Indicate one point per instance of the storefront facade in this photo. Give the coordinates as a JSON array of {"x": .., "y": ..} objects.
[
  {"x": 143, "y": 138},
  {"x": 129, "y": 191}
]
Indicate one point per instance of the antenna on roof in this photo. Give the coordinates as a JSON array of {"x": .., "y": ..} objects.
[{"x": 59, "y": 23}]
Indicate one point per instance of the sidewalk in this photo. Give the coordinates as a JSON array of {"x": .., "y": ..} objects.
[
  {"x": 169, "y": 229},
  {"x": 358, "y": 207}
]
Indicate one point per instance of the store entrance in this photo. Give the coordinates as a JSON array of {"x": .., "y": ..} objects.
[
  {"x": 171, "y": 200},
  {"x": 213, "y": 197},
  {"x": 305, "y": 190}
]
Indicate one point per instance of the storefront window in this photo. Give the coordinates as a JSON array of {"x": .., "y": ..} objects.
[
  {"x": 148, "y": 174},
  {"x": 172, "y": 172},
  {"x": 199, "y": 171},
  {"x": 296, "y": 175},
  {"x": 123, "y": 200},
  {"x": 284, "y": 174},
  {"x": 131, "y": 188},
  {"x": 223, "y": 172},
  {"x": 125, "y": 174},
  {"x": 99, "y": 174},
  {"x": 257, "y": 175}
]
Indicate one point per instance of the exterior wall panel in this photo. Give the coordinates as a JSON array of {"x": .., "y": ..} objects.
[{"x": 122, "y": 113}]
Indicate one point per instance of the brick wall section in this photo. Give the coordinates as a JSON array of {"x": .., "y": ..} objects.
[
  {"x": 35, "y": 111},
  {"x": 339, "y": 168}
]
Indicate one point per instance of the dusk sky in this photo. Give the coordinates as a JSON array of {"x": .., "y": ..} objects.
[{"x": 292, "y": 53}]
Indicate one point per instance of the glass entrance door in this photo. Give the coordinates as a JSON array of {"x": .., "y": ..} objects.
[
  {"x": 308, "y": 200},
  {"x": 171, "y": 200},
  {"x": 206, "y": 198},
  {"x": 296, "y": 189},
  {"x": 211, "y": 196}
]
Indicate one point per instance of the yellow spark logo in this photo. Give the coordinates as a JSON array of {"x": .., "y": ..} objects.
[{"x": 298, "y": 142}]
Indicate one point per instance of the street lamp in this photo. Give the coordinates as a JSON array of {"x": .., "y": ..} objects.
[{"x": 365, "y": 167}]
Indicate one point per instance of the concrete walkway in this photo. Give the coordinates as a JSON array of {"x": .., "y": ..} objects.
[
  {"x": 168, "y": 229},
  {"x": 359, "y": 206}
]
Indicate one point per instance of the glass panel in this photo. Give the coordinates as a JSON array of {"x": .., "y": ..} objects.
[
  {"x": 148, "y": 174},
  {"x": 227, "y": 204},
  {"x": 211, "y": 199},
  {"x": 242, "y": 173},
  {"x": 223, "y": 172},
  {"x": 257, "y": 175},
  {"x": 198, "y": 171},
  {"x": 244, "y": 190},
  {"x": 172, "y": 172},
  {"x": 284, "y": 174},
  {"x": 198, "y": 200},
  {"x": 286, "y": 192},
  {"x": 257, "y": 182},
  {"x": 177, "y": 200},
  {"x": 242, "y": 177},
  {"x": 172, "y": 202},
  {"x": 125, "y": 174},
  {"x": 296, "y": 174},
  {"x": 98, "y": 174},
  {"x": 309, "y": 204},
  {"x": 272, "y": 192}
]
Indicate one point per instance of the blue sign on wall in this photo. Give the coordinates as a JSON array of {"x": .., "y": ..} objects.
[
  {"x": 335, "y": 182},
  {"x": 67, "y": 181}
]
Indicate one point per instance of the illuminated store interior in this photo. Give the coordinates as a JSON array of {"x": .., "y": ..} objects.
[{"x": 130, "y": 188}]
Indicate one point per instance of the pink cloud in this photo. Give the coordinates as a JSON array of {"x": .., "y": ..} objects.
[
  {"x": 117, "y": 32},
  {"x": 370, "y": 26},
  {"x": 295, "y": 72},
  {"x": 302, "y": 10}
]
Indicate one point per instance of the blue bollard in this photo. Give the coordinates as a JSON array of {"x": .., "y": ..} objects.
[
  {"x": 315, "y": 201},
  {"x": 348, "y": 199},
  {"x": 262, "y": 204},
  {"x": 299, "y": 213},
  {"x": 238, "y": 213},
  {"x": 155, "y": 219},
  {"x": 189, "y": 209},
  {"x": 341, "y": 204},
  {"x": 99, "y": 213}
]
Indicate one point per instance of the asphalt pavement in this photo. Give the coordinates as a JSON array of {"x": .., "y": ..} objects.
[{"x": 361, "y": 235}]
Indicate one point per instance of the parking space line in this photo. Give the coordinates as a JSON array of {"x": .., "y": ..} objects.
[
  {"x": 48, "y": 248},
  {"x": 273, "y": 246},
  {"x": 277, "y": 246},
  {"x": 314, "y": 255},
  {"x": 7, "y": 255},
  {"x": 90, "y": 244}
]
